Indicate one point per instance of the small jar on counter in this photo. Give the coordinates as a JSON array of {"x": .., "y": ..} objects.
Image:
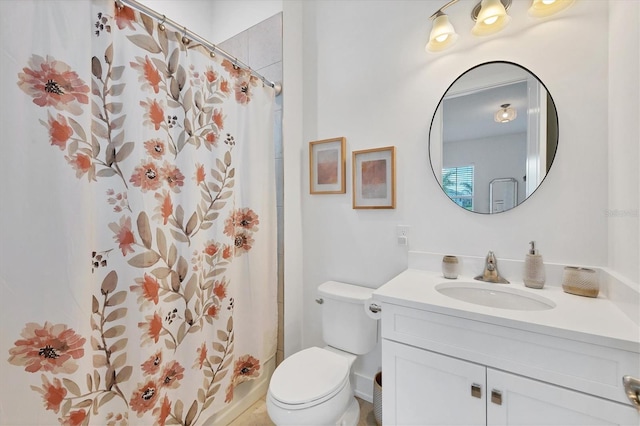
[
  {"x": 580, "y": 281},
  {"x": 450, "y": 267}
]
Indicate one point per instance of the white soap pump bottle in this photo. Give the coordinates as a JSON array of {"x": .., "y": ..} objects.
[{"x": 534, "y": 275}]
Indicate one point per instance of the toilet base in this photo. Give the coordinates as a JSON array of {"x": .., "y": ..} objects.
[
  {"x": 352, "y": 415},
  {"x": 349, "y": 417}
]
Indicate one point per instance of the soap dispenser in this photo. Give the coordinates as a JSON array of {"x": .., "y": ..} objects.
[{"x": 534, "y": 276}]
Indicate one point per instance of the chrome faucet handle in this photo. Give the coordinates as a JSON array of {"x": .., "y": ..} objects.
[
  {"x": 490, "y": 273},
  {"x": 490, "y": 261}
]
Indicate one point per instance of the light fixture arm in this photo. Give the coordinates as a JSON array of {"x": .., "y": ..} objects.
[{"x": 439, "y": 11}]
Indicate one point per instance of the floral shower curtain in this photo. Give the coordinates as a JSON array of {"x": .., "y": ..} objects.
[{"x": 137, "y": 220}]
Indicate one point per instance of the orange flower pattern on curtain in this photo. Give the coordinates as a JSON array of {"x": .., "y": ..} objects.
[{"x": 182, "y": 288}]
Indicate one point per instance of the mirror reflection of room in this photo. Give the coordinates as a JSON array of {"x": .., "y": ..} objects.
[{"x": 493, "y": 137}]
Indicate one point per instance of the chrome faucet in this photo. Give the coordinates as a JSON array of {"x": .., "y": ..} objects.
[{"x": 490, "y": 273}]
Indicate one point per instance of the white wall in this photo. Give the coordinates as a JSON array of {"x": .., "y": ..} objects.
[
  {"x": 193, "y": 14},
  {"x": 232, "y": 16},
  {"x": 624, "y": 138},
  {"x": 292, "y": 137},
  {"x": 368, "y": 78},
  {"x": 216, "y": 20}
]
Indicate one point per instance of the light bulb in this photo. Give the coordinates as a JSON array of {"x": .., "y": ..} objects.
[
  {"x": 543, "y": 8},
  {"x": 490, "y": 20},
  {"x": 442, "y": 38}
]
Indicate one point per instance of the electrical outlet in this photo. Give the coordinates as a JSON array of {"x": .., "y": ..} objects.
[
  {"x": 402, "y": 230},
  {"x": 402, "y": 234}
]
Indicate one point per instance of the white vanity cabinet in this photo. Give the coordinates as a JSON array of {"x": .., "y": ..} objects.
[
  {"x": 441, "y": 369},
  {"x": 427, "y": 388},
  {"x": 524, "y": 401}
]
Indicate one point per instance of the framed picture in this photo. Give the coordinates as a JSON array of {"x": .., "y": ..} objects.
[
  {"x": 374, "y": 178},
  {"x": 327, "y": 165}
]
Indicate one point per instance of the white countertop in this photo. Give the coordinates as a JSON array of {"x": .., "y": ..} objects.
[{"x": 592, "y": 320}]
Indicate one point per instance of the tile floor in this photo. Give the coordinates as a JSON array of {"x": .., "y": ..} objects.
[{"x": 256, "y": 415}]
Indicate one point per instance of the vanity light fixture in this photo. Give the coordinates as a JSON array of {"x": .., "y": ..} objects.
[
  {"x": 542, "y": 8},
  {"x": 442, "y": 35},
  {"x": 505, "y": 114},
  {"x": 490, "y": 16}
]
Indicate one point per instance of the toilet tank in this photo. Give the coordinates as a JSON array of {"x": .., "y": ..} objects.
[{"x": 345, "y": 324}]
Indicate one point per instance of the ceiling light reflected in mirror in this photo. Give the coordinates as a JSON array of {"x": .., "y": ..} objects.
[{"x": 505, "y": 114}]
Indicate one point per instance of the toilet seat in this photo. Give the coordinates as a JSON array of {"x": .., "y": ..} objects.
[{"x": 308, "y": 378}]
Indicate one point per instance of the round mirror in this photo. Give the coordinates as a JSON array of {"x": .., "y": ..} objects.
[{"x": 493, "y": 137}]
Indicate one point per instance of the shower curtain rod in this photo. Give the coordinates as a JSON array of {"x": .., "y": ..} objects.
[{"x": 193, "y": 36}]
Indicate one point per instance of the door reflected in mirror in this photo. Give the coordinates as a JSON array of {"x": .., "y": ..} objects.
[{"x": 493, "y": 137}]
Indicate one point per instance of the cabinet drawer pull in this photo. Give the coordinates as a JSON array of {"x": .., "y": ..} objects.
[
  {"x": 632, "y": 388},
  {"x": 496, "y": 397},
  {"x": 476, "y": 390}
]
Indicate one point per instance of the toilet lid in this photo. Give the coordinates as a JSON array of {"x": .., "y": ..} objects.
[{"x": 308, "y": 375}]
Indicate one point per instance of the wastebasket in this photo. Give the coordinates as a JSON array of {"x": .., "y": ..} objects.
[{"x": 377, "y": 398}]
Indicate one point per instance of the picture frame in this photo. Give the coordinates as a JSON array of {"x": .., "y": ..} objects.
[
  {"x": 327, "y": 166},
  {"x": 374, "y": 178}
]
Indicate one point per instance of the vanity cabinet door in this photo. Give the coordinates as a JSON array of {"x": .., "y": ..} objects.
[
  {"x": 425, "y": 388},
  {"x": 523, "y": 401}
]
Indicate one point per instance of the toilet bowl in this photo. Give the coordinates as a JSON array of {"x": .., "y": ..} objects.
[{"x": 312, "y": 387}]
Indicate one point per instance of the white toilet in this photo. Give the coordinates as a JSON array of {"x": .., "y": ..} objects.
[{"x": 312, "y": 387}]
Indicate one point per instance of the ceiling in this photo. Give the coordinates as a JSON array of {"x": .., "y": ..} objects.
[
  {"x": 473, "y": 98},
  {"x": 470, "y": 116}
]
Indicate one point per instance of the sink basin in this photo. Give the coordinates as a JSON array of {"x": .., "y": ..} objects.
[{"x": 495, "y": 296}]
